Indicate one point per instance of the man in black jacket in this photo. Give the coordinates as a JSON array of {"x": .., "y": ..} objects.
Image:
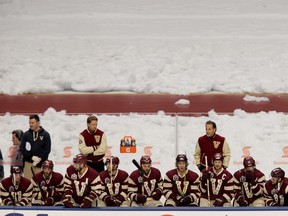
[
  {"x": 35, "y": 147},
  {"x": 1, "y": 167}
]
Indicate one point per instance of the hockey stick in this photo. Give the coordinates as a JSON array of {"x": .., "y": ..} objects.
[
  {"x": 208, "y": 185},
  {"x": 141, "y": 171},
  {"x": 39, "y": 186}
]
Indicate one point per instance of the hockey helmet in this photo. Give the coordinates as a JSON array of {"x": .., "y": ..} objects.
[
  {"x": 48, "y": 164},
  {"x": 249, "y": 162},
  {"x": 115, "y": 160},
  {"x": 145, "y": 160},
  {"x": 278, "y": 172},
  {"x": 218, "y": 156},
  {"x": 16, "y": 170},
  {"x": 80, "y": 158}
]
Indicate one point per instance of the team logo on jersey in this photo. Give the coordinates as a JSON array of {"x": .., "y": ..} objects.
[
  {"x": 140, "y": 179},
  {"x": 216, "y": 144},
  {"x": 97, "y": 138},
  {"x": 73, "y": 176},
  {"x": 175, "y": 178},
  {"x": 107, "y": 180}
]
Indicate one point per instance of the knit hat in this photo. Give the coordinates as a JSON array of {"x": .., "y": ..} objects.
[{"x": 18, "y": 133}]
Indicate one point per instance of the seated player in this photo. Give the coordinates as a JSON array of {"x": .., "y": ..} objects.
[
  {"x": 80, "y": 184},
  {"x": 276, "y": 189},
  {"x": 145, "y": 186},
  {"x": 181, "y": 185},
  {"x": 16, "y": 190},
  {"x": 48, "y": 186},
  {"x": 112, "y": 185},
  {"x": 216, "y": 184},
  {"x": 248, "y": 185}
]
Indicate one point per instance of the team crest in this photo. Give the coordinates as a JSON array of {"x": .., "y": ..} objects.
[
  {"x": 97, "y": 138},
  {"x": 74, "y": 176},
  {"x": 140, "y": 179},
  {"x": 107, "y": 180},
  {"x": 216, "y": 144},
  {"x": 175, "y": 178}
]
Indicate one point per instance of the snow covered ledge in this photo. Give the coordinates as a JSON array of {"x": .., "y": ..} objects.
[{"x": 165, "y": 211}]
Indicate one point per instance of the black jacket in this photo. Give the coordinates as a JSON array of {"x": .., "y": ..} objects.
[
  {"x": 40, "y": 143},
  {"x": 1, "y": 166}
]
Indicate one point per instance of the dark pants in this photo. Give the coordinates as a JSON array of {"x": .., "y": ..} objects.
[{"x": 99, "y": 167}]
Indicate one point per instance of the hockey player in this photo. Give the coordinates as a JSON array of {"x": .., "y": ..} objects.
[
  {"x": 48, "y": 186},
  {"x": 112, "y": 185},
  {"x": 276, "y": 189},
  {"x": 181, "y": 185},
  {"x": 248, "y": 185},
  {"x": 145, "y": 189},
  {"x": 16, "y": 190},
  {"x": 80, "y": 184},
  {"x": 216, "y": 184}
]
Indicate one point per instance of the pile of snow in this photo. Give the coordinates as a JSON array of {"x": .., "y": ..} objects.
[
  {"x": 182, "y": 102},
  {"x": 254, "y": 98},
  {"x": 143, "y": 46}
]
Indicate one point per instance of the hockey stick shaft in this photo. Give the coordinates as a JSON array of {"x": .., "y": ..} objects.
[
  {"x": 208, "y": 181},
  {"x": 41, "y": 191},
  {"x": 141, "y": 171}
]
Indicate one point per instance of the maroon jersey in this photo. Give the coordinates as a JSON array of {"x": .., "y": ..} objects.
[
  {"x": 80, "y": 186},
  {"x": 174, "y": 184},
  {"x": 276, "y": 195},
  {"x": 20, "y": 194},
  {"x": 52, "y": 187},
  {"x": 220, "y": 185},
  {"x": 209, "y": 146},
  {"x": 116, "y": 187},
  {"x": 93, "y": 140},
  {"x": 146, "y": 184},
  {"x": 245, "y": 189}
]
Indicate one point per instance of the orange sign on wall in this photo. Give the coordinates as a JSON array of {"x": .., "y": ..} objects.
[{"x": 128, "y": 145}]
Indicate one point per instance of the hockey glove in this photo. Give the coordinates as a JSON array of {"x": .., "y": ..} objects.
[
  {"x": 87, "y": 202},
  {"x": 200, "y": 167},
  {"x": 68, "y": 202},
  {"x": 206, "y": 175},
  {"x": 156, "y": 195},
  {"x": 110, "y": 201},
  {"x": 242, "y": 201},
  {"x": 140, "y": 198},
  {"x": 186, "y": 200},
  {"x": 49, "y": 201},
  {"x": 219, "y": 202}
]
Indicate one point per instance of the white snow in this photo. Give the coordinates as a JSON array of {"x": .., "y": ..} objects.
[
  {"x": 148, "y": 46},
  {"x": 254, "y": 98},
  {"x": 182, "y": 102}
]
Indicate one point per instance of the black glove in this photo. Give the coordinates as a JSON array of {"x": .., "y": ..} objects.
[
  {"x": 87, "y": 202},
  {"x": 200, "y": 167},
  {"x": 186, "y": 200},
  {"x": 219, "y": 202},
  {"x": 49, "y": 201},
  {"x": 140, "y": 198},
  {"x": 156, "y": 195},
  {"x": 242, "y": 201},
  {"x": 110, "y": 201},
  {"x": 206, "y": 174},
  {"x": 68, "y": 202}
]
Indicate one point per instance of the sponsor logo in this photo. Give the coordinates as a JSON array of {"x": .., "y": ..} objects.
[
  {"x": 67, "y": 151},
  {"x": 246, "y": 151},
  {"x": 147, "y": 150},
  {"x": 12, "y": 152},
  {"x": 285, "y": 152}
]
